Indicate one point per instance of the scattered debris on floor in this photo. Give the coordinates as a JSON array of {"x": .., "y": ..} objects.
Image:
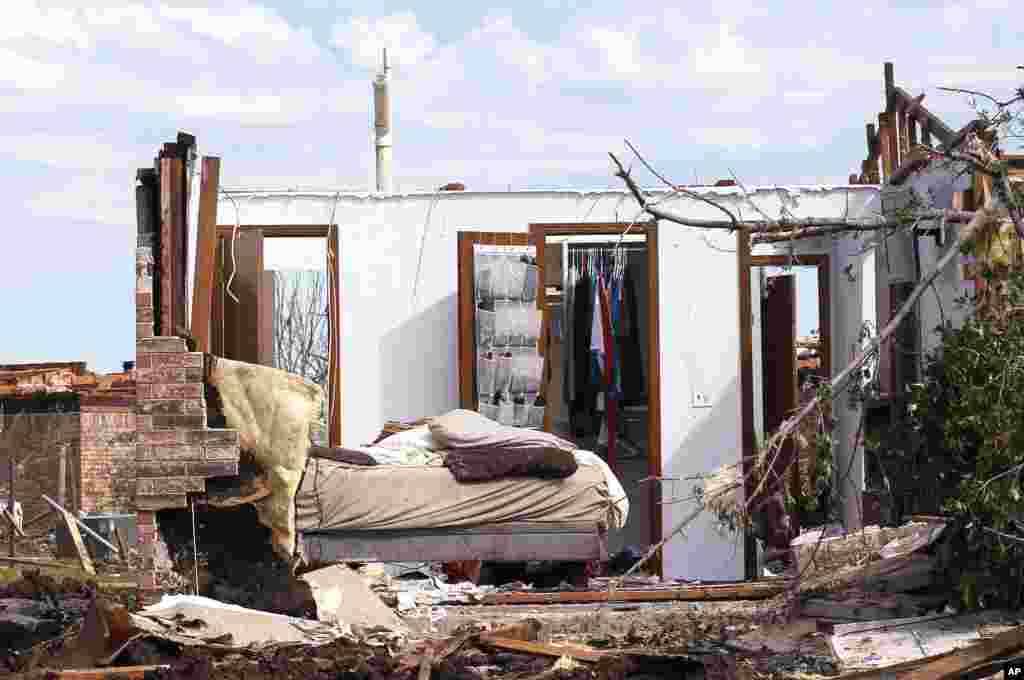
[{"x": 878, "y": 606}]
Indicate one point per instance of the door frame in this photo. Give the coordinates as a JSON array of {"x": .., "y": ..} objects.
[
  {"x": 748, "y": 434},
  {"x": 328, "y": 232},
  {"x": 538, "y": 233}
]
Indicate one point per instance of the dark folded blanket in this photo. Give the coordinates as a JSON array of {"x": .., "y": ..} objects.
[
  {"x": 539, "y": 462},
  {"x": 342, "y": 455}
]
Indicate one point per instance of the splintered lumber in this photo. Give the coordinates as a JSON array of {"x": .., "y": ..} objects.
[
  {"x": 128, "y": 672},
  {"x": 56, "y": 506},
  {"x": 34, "y": 561},
  {"x": 754, "y": 590},
  {"x": 70, "y": 521},
  {"x": 206, "y": 252},
  {"x": 952, "y": 665},
  {"x": 855, "y": 605},
  {"x": 542, "y": 649}
]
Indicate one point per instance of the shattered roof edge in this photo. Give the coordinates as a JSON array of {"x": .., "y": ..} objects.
[{"x": 257, "y": 193}]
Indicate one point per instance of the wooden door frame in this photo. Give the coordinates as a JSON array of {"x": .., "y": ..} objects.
[
  {"x": 466, "y": 289},
  {"x": 328, "y": 232},
  {"x": 538, "y": 233},
  {"x": 748, "y": 435}
]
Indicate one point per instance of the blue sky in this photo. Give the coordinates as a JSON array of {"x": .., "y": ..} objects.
[{"x": 529, "y": 94}]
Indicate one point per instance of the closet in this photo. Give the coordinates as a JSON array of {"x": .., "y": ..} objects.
[{"x": 577, "y": 352}]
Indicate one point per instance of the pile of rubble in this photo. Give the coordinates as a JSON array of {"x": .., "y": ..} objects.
[{"x": 865, "y": 603}]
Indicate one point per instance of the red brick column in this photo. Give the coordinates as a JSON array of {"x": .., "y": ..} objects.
[{"x": 175, "y": 452}]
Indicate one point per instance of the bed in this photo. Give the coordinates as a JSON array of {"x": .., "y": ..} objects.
[{"x": 420, "y": 512}]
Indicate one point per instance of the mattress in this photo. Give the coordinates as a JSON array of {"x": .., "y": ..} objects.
[{"x": 337, "y": 496}]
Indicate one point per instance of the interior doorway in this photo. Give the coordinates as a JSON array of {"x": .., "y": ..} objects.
[
  {"x": 276, "y": 302},
  {"x": 599, "y": 294},
  {"x": 789, "y": 349},
  {"x": 559, "y": 256}
]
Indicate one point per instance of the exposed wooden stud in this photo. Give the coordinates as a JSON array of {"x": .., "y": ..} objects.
[
  {"x": 206, "y": 252},
  {"x": 890, "y": 85},
  {"x": 169, "y": 172},
  {"x": 887, "y": 140}
]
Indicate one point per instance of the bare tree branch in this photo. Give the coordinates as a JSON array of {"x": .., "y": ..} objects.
[
  {"x": 974, "y": 93},
  {"x": 675, "y": 187}
]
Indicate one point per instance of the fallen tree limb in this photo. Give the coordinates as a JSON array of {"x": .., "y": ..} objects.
[{"x": 764, "y": 226}]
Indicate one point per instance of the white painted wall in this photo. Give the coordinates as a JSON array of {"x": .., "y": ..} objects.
[{"x": 399, "y": 315}]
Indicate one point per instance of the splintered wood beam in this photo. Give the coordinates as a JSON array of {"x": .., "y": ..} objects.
[
  {"x": 753, "y": 590},
  {"x": 542, "y": 649},
  {"x": 953, "y": 665},
  {"x": 128, "y": 672},
  {"x": 206, "y": 253}
]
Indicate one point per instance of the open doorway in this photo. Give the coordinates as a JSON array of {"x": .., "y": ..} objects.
[
  {"x": 295, "y": 274},
  {"x": 599, "y": 294},
  {"x": 276, "y": 302},
  {"x": 790, "y": 358}
]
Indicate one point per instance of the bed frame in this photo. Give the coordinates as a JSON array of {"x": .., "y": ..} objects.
[
  {"x": 491, "y": 543},
  {"x": 488, "y": 543}
]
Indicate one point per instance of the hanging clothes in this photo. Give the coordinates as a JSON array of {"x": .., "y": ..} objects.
[
  {"x": 611, "y": 397},
  {"x": 631, "y": 367},
  {"x": 583, "y": 407}
]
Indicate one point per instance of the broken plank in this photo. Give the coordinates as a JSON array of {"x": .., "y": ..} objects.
[
  {"x": 56, "y": 506},
  {"x": 206, "y": 253},
  {"x": 71, "y": 522},
  {"x": 119, "y": 539},
  {"x": 954, "y": 664},
  {"x": 35, "y": 561},
  {"x": 542, "y": 649},
  {"x": 862, "y": 606},
  {"x": 885, "y": 624},
  {"x": 740, "y": 591},
  {"x": 129, "y": 672}
]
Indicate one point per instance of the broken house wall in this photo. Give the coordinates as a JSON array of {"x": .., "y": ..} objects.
[
  {"x": 107, "y": 460},
  {"x": 933, "y": 187},
  {"x": 398, "y": 277},
  {"x": 35, "y": 438}
]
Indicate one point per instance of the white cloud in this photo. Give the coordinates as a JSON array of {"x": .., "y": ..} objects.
[
  {"x": 26, "y": 19},
  {"x": 25, "y": 73},
  {"x": 724, "y": 54},
  {"x": 93, "y": 197},
  {"x": 71, "y": 152},
  {"x": 956, "y": 17},
  {"x": 260, "y": 32},
  {"x": 364, "y": 37}
]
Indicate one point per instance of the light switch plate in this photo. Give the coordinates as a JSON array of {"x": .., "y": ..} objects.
[{"x": 701, "y": 399}]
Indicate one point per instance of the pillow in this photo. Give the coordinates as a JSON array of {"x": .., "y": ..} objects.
[
  {"x": 460, "y": 424},
  {"x": 418, "y": 437}
]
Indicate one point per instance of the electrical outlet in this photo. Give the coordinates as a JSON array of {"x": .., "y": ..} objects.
[{"x": 701, "y": 399}]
